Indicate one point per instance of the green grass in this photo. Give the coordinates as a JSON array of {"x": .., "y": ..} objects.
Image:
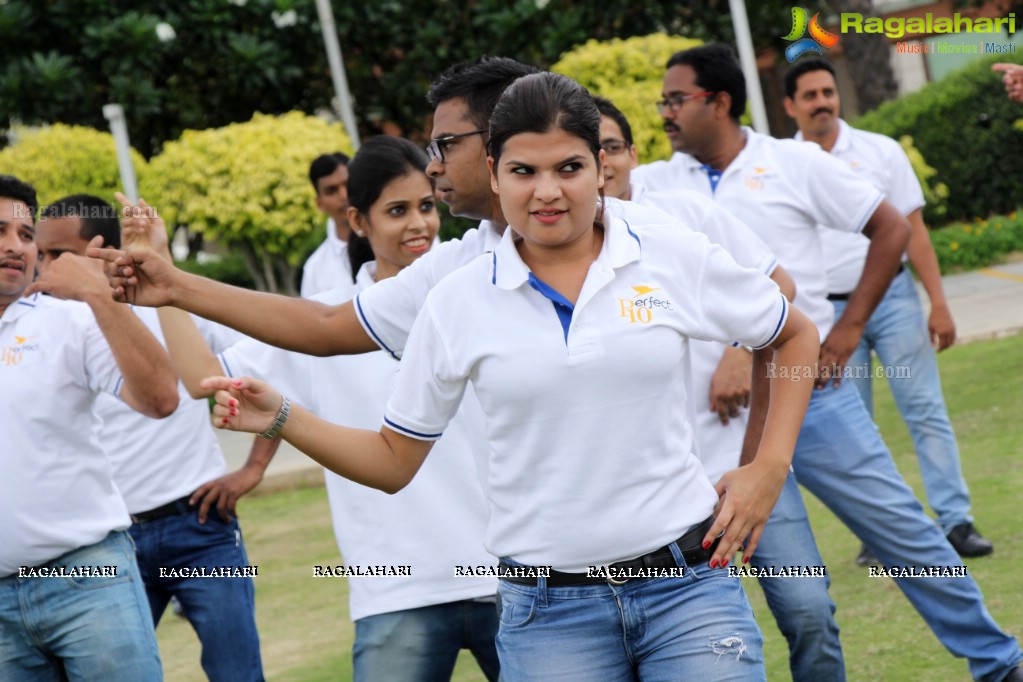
[{"x": 307, "y": 636}]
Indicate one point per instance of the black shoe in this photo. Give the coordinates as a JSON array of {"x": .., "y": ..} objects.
[
  {"x": 867, "y": 558},
  {"x": 1016, "y": 675},
  {"x": 968, "y": 542}
]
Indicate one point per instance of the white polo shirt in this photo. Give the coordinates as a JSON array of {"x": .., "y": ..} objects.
[
  {"x": 590, "y": 446},
  {"x": 160, "y": 460},
  {"x": 327, "y": 267},
  {"x": 880, "y": 161},
  {"x": 434, "y": 524},
  {"x": 57, "y": 492},
  {"x": 718, "y": 445},
  {"x": 781, "y": 189}
]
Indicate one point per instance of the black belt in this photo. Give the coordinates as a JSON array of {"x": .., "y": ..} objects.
[
  {"x": 690, "y": 544},
  {"x": 845, "y": 297},
  {"x": 177, "y": 507}
]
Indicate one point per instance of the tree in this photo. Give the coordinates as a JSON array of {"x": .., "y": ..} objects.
[
  {"x": 246, "y": 186},
  {"x": 868, "y": 59}
]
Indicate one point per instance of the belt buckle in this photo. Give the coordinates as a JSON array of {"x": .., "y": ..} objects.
[{"x": 612, "y": 580}]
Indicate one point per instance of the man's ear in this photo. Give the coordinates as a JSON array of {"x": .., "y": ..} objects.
[{"x": 789, "y": 107}]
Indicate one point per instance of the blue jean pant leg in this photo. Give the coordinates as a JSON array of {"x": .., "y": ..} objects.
[
  {"x": 897, "y": 333},
  {"x": 221, "y": 610},
  {"x": 804, "y": 611},
  {"x": 697, "y": 627},
  {"x": 841, "y": 458},
  {"x": 87, "y": 628},
  {"x": 422, "y": 645}
]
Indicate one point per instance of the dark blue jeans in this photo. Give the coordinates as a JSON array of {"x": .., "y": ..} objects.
[
  {"x": 221, "y": 610},
  {"x": 422, "y": 645}
]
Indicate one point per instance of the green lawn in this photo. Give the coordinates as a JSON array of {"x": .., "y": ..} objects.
[{"x": 306, "y": 634}]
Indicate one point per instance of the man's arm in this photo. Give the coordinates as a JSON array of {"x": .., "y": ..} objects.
[
  {"x": 227, "y": 490},
  {"x": 150, "y": 385},
  {"x": 144, "y": 278},
  {"x": 888, "y": 232},
  {"x": 921, "y": 254}
]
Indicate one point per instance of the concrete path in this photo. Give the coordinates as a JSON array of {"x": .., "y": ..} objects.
[{"x": 986, "y": 304}]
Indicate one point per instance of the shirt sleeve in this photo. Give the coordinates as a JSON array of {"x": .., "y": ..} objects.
[
  {"x": 218, "y": 337},
  {"x": 101, "y": 368},
  {"x": 904, "y": 191},
  {"x": 748, "y": 250},
  {"x": 428, "y": 388},
  {"x": 286, "y": 371},
  {"x": 738, "y": 304},
  {"x": 835, "y": 195},
  {"x": 388, "y": 309}
]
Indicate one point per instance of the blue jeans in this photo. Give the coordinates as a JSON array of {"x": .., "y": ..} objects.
[
  {"x": 841, "y": 459},
  {"x": 85, "y": 628},
  {"x": 422, "y": 645},
  {"x": 801, "y": 606},
  {"x": 897, "y": 332},
  {"x": 221, "y": 610},
  {"x": 696, "y": 627}
]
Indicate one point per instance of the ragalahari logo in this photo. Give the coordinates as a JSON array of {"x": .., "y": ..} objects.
[{"x": 818, "y": 36}]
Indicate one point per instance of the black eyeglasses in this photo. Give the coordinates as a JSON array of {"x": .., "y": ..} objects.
[
  {"x": 674, "y": 102},
  {"x": 614, "y": 147},
  {"x": 438, "y": 144}
]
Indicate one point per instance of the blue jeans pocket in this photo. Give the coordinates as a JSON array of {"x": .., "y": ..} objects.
[{"x": 518, "y": 606}]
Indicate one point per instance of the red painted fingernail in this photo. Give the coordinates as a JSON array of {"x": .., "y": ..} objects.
[
  {"x": 237, "y": 383},
  {"x": 706, "y": 544},
  {"x": 233, "y": 403},
  {"x": 745, "y": 560},
  {"x": 234, "y": 412},
  {"x": 223, "y": 421},
  {"x": 724, "y": 563},
  {"x": 713, "y": 563}
]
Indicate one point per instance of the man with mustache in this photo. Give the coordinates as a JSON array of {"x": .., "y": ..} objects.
[
  {"x": 784, "y": 189},
  {"x": 897, "y": 331}
]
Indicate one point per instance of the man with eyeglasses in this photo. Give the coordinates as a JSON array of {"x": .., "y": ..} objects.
[{"x": 784, "y": 189}]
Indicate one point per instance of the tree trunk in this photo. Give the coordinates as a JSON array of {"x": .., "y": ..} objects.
[
  {"x": 867, "y": 56},
  {"x": 252, "y": 266}
]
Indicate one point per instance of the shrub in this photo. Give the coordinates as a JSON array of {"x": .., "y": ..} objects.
[
  {"x": 246, "y": 186},
  {"x": 629, "y": 73},
  {"x": 979, "y": 243},
  {"x": 963, "y": 126},
  {"x": 935, "y": 193},
  {"x": 59, "y": 160}
]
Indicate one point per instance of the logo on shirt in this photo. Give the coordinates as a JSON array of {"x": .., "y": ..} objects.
[
  {"x": 14, "y": 354},
  {"x": 755, "y": 182},
  {"x": 642, "y": 304},
  {"x": 818, "y": 36}
]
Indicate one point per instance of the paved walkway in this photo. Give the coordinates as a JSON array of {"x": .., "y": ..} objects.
[{"x": 986, "y": 304}]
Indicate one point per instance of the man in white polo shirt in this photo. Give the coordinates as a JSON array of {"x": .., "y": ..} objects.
[
  {"x": 783, "y": 189},
  {"x": 328, "y": 265},
  {"x": 721, "y": 376},
  {"x": 162, "y": 468},
  {"x": 897, "y": 332},
  {"x": 72, "y": 605}
]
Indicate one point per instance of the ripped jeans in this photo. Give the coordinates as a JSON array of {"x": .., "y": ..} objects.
[{"x": 696, "y": 627}]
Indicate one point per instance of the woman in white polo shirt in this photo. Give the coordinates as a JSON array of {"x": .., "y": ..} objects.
[{"x": 574, "y": 336}]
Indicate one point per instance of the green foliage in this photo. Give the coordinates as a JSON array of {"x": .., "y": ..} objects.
[
  {"x": 229, "y": 269},
  {"x": 629, "y": 73},
  {"x": 246, "y": 187},
  {"x": 963, "y": 126},
  {"x": 976, "y": 244},
  {"x": 59, "y": 160},
  {"x": 935, "y": 193}
]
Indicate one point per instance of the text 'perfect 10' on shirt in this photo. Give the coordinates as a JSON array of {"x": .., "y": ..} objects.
[
  {"x": 718, "y": 446},
  {"x": 157, "y": 461},
  {"x": 881, "y": 161},
  {"x": 591, "y": 450},
  {"x": 781, "y": 189},
  {"x": 56, "y": 487},
  {"x": 435, "y": 523}
]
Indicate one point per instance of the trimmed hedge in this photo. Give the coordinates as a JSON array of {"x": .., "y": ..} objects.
[
  {"x": 963, "y": 126},
  {"x": 977, "y": 244}
]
